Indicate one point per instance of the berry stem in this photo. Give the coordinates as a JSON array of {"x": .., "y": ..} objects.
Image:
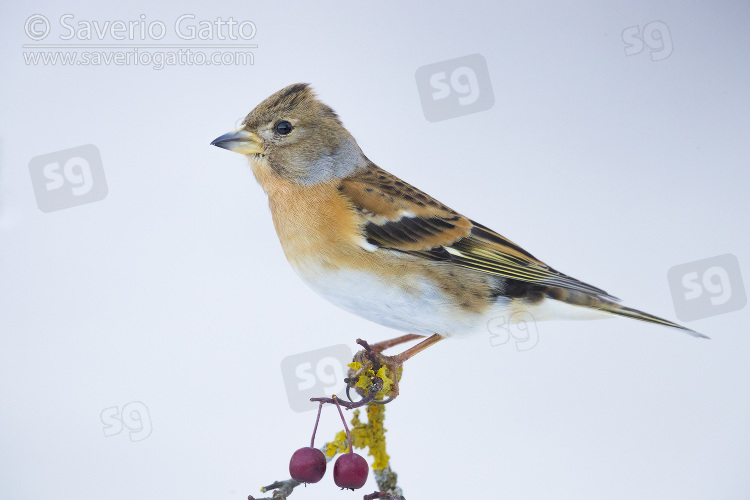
[
  {"x": 372, "y": 392},
  {"x": 315, "y": 429},
  {"x": 346, "y": 427}
]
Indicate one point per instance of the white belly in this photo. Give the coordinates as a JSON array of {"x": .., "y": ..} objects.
[{"x": 416, "y": 306}]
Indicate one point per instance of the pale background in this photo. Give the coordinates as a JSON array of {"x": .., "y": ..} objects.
[{"x": 173, "y": 290}]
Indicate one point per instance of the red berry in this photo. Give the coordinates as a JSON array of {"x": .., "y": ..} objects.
[
  {"x": 350, "y": 471},
  {"x": 308, "y": 465}
]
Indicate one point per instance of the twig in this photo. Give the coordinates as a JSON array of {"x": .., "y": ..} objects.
[
  {"x": 383, "y": 495},
  {"x": 369, "y": 435},
  {"x": 372, "y": 392}
]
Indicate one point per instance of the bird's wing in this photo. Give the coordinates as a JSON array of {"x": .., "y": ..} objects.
[{"x": 401, "y": 217}]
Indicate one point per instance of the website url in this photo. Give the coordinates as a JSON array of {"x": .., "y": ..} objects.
[{"x": 155, "y": 59}]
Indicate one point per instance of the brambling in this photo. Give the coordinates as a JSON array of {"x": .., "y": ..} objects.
[{"x": 382, "y": 249}]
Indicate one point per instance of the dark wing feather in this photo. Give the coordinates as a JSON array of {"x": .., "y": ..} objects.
[{"x": 401, "y": 217}]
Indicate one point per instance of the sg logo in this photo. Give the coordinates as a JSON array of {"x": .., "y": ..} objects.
[
  {"x": 315, "y": 374},
  {"x": 134, "y": 416},
  {"x": 68, "y": 178},
  {"x": 655, "y": 36},
  {"x": 519, "y": 326},
  {"x": 707, "y": 287},
  {"x": 463, "y": 81},
  {"x": 455, "y": 87}
]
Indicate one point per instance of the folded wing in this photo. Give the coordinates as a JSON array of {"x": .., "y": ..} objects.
[{"x": 400, "y": 217}]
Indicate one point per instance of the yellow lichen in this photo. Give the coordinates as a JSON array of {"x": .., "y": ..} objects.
[
  {"x": 370, "y": 435},
  {"x": 338, "y": 445},
  {"x": 387, "y": 382},
  {"x": 365, "y": 378}
]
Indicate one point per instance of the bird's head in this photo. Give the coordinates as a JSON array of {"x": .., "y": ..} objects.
[{"x": 293, "y": 135}]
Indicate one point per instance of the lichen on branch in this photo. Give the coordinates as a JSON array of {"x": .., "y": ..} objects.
[{"x": 375, "y": 382}]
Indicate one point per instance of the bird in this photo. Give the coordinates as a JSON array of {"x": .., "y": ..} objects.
[{"x": 380, "y": 248}]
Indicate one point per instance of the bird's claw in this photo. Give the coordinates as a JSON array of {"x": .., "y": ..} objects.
[{"x": 374, "y": 360}]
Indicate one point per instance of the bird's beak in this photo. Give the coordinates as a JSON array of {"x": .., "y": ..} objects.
[{"x": 240, "y": 141}]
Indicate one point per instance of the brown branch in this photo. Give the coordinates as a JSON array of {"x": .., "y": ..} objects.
[
  {"x": 384, "y": 496},
  {"x": 372, "y": 392},
  {"x": 385, "y": 478}
]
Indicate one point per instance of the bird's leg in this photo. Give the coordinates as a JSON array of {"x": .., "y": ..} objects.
[
  {"x": 399, "y": 359},
  {"x": 386, "y": 344},
  {"x": 395, "y": 363}
]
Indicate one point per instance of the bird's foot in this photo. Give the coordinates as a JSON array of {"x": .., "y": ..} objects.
[{"x": 372, "y": 363}]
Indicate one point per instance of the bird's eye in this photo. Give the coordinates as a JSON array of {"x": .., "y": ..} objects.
[{"x": 284, "y": 127}]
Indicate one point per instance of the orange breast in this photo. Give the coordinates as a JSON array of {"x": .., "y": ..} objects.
[{"x": 313, "y": 223}]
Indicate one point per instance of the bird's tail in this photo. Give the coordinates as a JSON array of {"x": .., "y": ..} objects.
[
  {"x": 601, "y": 304},
  {"x": 629, "y": 312}
]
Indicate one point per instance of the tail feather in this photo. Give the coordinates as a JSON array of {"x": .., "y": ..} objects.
[
  {"x": 629, "y": 312},
  {"x": 592, "y": 302}
]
